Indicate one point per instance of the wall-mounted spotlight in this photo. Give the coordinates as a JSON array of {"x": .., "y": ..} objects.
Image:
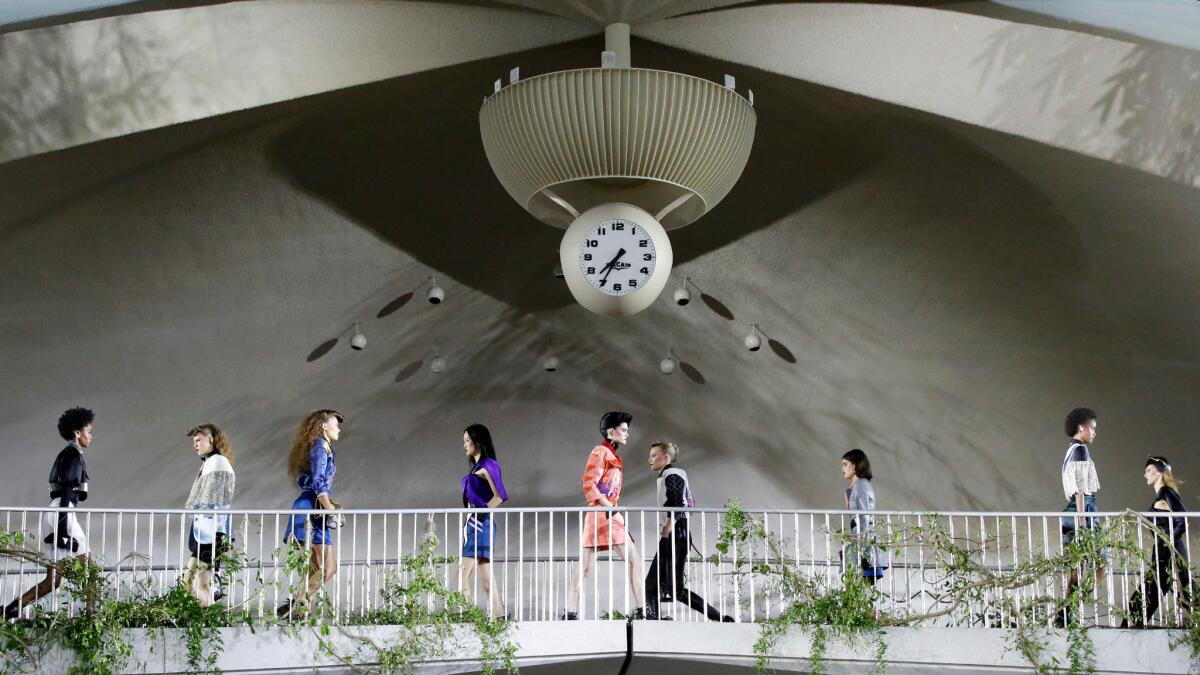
[
  {"x": 438, "y": 364},
  {"x": 436, "y": 293},
  {"x": 550, "y": 364},
  {"x": 667, "y": 365},
  {"x": 682, "y": 295},
  {"x": 358, "y": 341},
  {"x": 752, "y": 341}
]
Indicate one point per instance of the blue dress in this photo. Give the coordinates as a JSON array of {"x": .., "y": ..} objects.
[{"x": 318, "y": 480}]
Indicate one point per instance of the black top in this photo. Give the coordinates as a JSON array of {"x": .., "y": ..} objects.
[
  {"x": 68, "y": 477},
  {"x": 1176, "y": 528},
  {"x": 674, "y": 485},
  {"x": 69, "y": 485}
]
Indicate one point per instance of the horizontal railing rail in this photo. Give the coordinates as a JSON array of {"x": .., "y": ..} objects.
[{"x": 535, "y": 553}]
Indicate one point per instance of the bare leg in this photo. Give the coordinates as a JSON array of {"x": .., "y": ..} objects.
[
  {"x": 633, "y": 565},
  {"x": 322, "y": 568},
  {"x": 46, "y": 586},
  {"x": 583, "y": 570},
  {"x": 203, "y": 589},
  {"x": 1071, "y": 584},
  {"x": 466, "y": 567},
  {"x": 485, "y": 582}
]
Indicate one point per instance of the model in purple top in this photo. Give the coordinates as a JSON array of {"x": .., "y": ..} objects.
[{"x": 482, "y": 488}]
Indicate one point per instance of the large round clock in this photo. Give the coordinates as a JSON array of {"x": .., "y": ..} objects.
[{"x": 616, "y": 259}]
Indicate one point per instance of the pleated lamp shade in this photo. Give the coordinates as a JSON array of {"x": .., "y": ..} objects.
[{"x": 670, "y": 144}]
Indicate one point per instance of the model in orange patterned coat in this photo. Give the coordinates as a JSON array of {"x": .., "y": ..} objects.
[{"x": 601, "y": 532}]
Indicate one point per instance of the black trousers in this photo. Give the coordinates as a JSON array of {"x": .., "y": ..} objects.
[
  {"x": 1159, "y": 581},
  {"x": 664, "y": 581}
]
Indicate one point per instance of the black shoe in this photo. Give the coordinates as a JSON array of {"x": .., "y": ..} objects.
[
  {"x": 638, "y": 614},
  {"x": 1063, "y": 618},
  {"x": 12, "y": 611},
  {"x": 283, "y": 610},
  {"x": 728, "y": 619},
  {"x": 570, "y": 616}
]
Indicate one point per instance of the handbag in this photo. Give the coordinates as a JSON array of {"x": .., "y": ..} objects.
[{"x": 328, "y": 518}]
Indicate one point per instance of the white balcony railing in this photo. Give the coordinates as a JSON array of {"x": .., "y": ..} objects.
[{"x": 535, "y": 549}]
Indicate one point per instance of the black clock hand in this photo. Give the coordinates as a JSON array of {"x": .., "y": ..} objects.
[{"x": 610, "y": 266}]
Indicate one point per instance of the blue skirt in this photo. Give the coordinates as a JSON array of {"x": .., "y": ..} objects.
[
  {"x": 296, "y": 526},
  {"x": 477, "y": 537}
]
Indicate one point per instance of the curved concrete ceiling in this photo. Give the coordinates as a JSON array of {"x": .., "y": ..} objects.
[
  {"x": 87, "y": 81},
  {"x": 82, "y": 82},
  {"x": 933, "y": 291},
  {"x": 1128, "y": 103}
]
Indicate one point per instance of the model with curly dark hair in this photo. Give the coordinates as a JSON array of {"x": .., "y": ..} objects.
[
  {"x": 1080, "y": 483},
  {"x": 62, "y": 534},
  {"x": 311, "y": 465}
]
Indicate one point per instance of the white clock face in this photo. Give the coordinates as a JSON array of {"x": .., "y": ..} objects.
[{"x": 617, "y": 257}]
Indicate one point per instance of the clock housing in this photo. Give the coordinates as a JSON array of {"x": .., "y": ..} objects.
[{"x": 616, "y": 259}]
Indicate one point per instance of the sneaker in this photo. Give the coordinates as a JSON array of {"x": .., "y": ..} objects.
[
  {"x": 284, "y": 609},
  {"x": 728, "y": 619},
  {"x": 12, "y": 611},
  {"x": 570, "y": 616}
]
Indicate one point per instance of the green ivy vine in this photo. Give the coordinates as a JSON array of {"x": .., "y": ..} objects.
[
  {"x": 850, "y": 610},
  {"x": 413, "y": 597}
]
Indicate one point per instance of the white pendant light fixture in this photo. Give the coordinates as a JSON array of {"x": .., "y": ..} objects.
[
  {"x": 436, "y": 293},
  {"x": 617, "y": 156},
  {"x": 358, "y": 341},
  {"x": 683, "y": 295},
  {"x": 550, "y": 364},
  {"x": 669, "y": 362},
  {"x": 752, "y": 341}
]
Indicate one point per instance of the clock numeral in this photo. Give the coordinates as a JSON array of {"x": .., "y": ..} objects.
[
  {"x": 592, "y": 243},
  {"x": 587, "y": 257},
  {"x": 602, "y": 231},
  {"x": 643, "y": 243},
  {"x": 602, "y": 282},
  {"x": 616, "y": 287},
  {"x": 647, "y": 256},
  {"x": 633, "y": 283},
  {"x": 645, "y": 270},
  {"x": 591, "y": 270},
  {"x": 617, "y": 227}
]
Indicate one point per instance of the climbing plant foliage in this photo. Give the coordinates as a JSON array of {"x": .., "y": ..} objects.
[
  {"x": 959, "y": 586},
  {"x": 430, "y": 618}
]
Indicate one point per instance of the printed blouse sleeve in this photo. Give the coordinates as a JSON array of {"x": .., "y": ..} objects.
[
  {"x": 318, "y": 463},
  {"x": 1075, "y": 475},
  {"x": 592, "y": 474}
]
